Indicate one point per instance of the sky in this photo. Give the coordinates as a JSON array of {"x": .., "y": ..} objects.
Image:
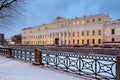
[{"x": 38, "y": 12}]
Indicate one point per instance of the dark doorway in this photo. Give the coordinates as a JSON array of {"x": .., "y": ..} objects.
[{"x": 56, "y": 41}]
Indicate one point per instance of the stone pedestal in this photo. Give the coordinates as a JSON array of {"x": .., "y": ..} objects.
[
  {"x": 9, "y": 53},
  {"x": 37, "y": 57},
  {"x": 118, "y": 68}
]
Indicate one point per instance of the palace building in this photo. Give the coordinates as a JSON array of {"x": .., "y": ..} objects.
[
  {"x": 112, "y": 33},
  {"x": 61, "y": 31}
]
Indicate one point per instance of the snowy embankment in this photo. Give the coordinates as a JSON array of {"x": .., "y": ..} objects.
[{"x": 17, "y": 70}]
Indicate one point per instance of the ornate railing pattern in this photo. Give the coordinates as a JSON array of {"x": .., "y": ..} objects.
[
  {"x": 3, "y": 51},
  {"x": 97, "y": 66},
  {"x": 101, "y": 67},
  {"x": 23, "y": 55}
]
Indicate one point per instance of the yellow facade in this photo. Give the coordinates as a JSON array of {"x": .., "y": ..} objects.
[
  {"x": 112, "y": 33},
  {"x": 78, "y": 31}
]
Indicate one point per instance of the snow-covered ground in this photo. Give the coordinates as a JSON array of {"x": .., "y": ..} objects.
[{"x": 17, "y": 70}]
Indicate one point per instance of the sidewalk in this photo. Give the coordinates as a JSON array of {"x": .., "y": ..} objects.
[{"x": 17, "y": 70}]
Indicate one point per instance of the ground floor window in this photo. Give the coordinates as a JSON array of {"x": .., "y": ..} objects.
[
  {"x": 99, "y": 41},
  {"x": 93, "y": 41}
]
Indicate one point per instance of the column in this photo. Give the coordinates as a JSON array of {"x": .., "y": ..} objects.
[
  {"x": 67, "y": 38},
  {"x": 52, "y": 39},
  {"x": 63, "y": 38},
  {"x": 49, "y": 38},
  {"x": 59, "y": 38}
]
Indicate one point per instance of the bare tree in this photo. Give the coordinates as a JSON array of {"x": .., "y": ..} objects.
[{"x": 9, "y": 9}]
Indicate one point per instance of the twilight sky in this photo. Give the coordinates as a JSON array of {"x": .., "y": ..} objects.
[{"x": 37, "y": 12}]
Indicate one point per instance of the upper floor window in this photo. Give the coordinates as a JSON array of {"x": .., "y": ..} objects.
[
  {"x": 99, "y": 32},
  {"x": 93, "y": 32},
  {"x": 73, "y": 33},
  {"x": 93, "y": 20},
  {"x": 87, "y": 21},
  {"x": 77, "y": 33},
  {"x": 99, "y": 19},
  {"x": 112, "y": 31},
  {"x": 82, "y": 33},
  {"x": 87, "y": 33}
]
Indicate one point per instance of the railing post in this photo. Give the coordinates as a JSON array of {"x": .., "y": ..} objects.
[
  {"x": 37, "y": 57},
  {"x": 118, "y": 68},
  {"x": 9, "y": 53}
]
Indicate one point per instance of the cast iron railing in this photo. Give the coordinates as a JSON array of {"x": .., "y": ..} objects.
[
  {"x": 97, "y": 66},
  {"x": 3, "y": 51},
  {"x": 101, "y": 67},
  {"x": 23, "y": 55}
]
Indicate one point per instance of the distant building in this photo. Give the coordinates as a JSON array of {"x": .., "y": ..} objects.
[
  {"x": 16, "y": 39},
  {"x": 2, "y": 40},
  {"x": 112, "y": 33},
  {"x": 78, "y": 31}
]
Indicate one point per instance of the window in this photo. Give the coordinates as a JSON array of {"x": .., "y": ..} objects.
[
  {"x": 99, "y": 32},
  {"x": 82, "y": 41},
  {"x": 69, "y": 34},
  {"x": 112, "y": 31},
  {"x": 73, "y": 33},
  {"x": 93, "y": 20},
  {"x": 87, "y": 21},
  {"x": 113, "y": 39},
  {"x": 88, "y": 41},
  {"x": 99, "y": 19},
  {"x": 82, "y": 33},
  {"x": 69, "y": 41},
  {"x": 77, "y": 33},
  {"x": 93, "y": 32},
  {"x": 73, "y": 41},
  {"x": 99, "y": 41},
  {"x": 87, "y": 33},
  {"x": 77, "y": 41},
  {"x": 93, "y": 41}
]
